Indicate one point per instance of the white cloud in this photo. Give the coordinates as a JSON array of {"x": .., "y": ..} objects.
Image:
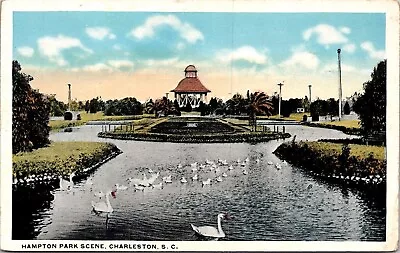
[
  {"x": 345, "y": 30},
  {"x": 180, "y": 46},
  {"x": 118, "y": 64},
  {"x": 26, "y": 51},
  {"x": 51, "y": 47},
  {"x": 372, "y": 52},
  {"x": 100, "y": 33},
  {"x": 327, "y": 34},
  {"x": 246, "y": 53},
  {"x": 302, "y": 59},
  {"x": 350, "y": 48},
  {"x": 185, "y": 30},
  {"x": 97, "y": 67}
]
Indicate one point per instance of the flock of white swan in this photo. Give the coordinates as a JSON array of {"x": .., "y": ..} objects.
[{"x": 199, "y": 174}]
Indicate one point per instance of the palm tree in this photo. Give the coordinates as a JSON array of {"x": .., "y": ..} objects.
[{"x": 258, "y": 104}]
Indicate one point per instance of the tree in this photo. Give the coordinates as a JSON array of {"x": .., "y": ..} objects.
[
  {"x": 93, "y": 105},
  {"x": 259, "y": 104},
  {"x": 371, "y": 105},
  {"x": 87, "y": 106},
  {"x": 346, "y": 108},
  {"x": 30, "y": 113}
]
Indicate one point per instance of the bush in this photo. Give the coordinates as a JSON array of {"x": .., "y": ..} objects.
[
  {"x": 68, "y": 116},
  {"x": 305, "y": 118}
]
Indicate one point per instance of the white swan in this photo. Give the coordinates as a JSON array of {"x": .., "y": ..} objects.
[
  {"x": 158, "y": 186},
  {"x": 120, "y": 187},
  {"x": 224, "y": 174},
  {"x": 167, "y": 179},
  {"x": 195, "y": 177},
  {"x": 207, "y": 182},
  {"x": 230, "y": 167},
  {"x": 193, "y": 164},
  {"x": 278, "y": 166},
  {"x": 258, "y": 160},
  {"x": 183, "y": 180},
  {"x": 219, "y": 179},
  {"x": 270, "y": 163},
  {"x": 66, "y": 185},
  {"x": 209, "y": 231},
  {"x": 138, "y": 187},
  {"x": 104, "y": 206},
  {"x": 180, "y": 166},
  {"x": 245, "y": 172}
]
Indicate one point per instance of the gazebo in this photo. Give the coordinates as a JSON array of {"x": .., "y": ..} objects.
[{"x": 190, "y": 89}]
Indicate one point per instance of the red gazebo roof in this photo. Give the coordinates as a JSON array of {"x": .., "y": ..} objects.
[{"x": 189, "y": 85}]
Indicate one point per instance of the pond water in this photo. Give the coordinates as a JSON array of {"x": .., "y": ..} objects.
[{"x": 265, "y": 204}]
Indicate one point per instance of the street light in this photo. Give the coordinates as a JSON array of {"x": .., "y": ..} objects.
[
  {"x": 309, "y": 92},
  {"x": 280, "y": 97},
  {"x": 340, "y": 85}
]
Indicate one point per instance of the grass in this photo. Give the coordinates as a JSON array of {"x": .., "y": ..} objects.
[
  {"x": 344, "y": 123},
  {"x": 60, "y": 157},
  {"x": 85, "y": 117},
  {"x": 361, "y": 151}
]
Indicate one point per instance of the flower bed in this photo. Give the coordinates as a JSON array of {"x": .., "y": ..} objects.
[
  {"x": 252, "y": 137},
  {"x": 337, "y": 163},
  {"x": 60, "y": 158}
]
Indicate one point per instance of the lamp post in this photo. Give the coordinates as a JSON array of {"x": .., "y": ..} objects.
[
  {"x": 69, "y": 97},
  {"x": 340, "y": 85},
  {"x": 309, "y": 92},
  {"x": 280, "y": 97}
]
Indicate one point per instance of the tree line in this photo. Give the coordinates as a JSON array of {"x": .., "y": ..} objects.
[{"x": 31, "y": 109}]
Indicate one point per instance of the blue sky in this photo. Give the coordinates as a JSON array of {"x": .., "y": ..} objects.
[{"x": 144, "y": 53}]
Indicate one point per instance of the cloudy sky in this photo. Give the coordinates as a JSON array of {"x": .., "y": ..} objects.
[{"x": 143, "y": 54}]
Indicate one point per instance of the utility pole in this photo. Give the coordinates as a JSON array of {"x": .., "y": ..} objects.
[
  {"x": 340, "y": 85},
  {"x": 69, "y": 97},
  {"x": 309, "y": 92},
  {"x": 280, "y": 97}
]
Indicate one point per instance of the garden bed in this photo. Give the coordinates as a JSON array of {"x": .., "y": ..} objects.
[
  {"x": 44, "y": 165},
  {"x": 191, "y": 127},
  {"x": 252, "y": 137},
  {"x": 353, "y": 165}
]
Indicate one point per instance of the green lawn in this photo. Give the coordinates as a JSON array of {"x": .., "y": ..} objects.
[
  {"x": 60, "y": 157},
  {"x": 345, "y": 123},
  {"x": 85, "y": 117},
  {"x": 362, "y": 151}
]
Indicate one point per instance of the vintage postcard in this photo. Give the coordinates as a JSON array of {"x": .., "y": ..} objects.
[{"x": 188, "y": 125}]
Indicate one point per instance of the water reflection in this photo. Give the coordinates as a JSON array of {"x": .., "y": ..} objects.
[{"x": 266, "y": 204}]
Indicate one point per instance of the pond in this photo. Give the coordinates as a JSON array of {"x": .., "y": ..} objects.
[{"x": 266, "y": 204}]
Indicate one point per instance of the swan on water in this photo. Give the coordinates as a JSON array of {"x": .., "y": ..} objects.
[
  {"x": 139, "y": 187},
  {"x": 209, "y": 231},
  {"x": 158, "y": 186},
  {"x": 195, "y": 177},
  {"x": 219, "y": 179},
  {"x": 183, "y": 180},
  {"x": 230, "y": 167},
  {"x": 194, "y": 169},
  {"x": 224, "y": 174},
  {"x": 120, "y": 187},
  {"x": 207, "y": 182},
  {"x": 180, "y": 166},
  {"x": 245, "y": 172},
  {"x": 66, "y": 185},
  {"x": 278, "y": 166},
  {"x": 193, "y": 164},
  {"x": 104, "y": 206},
  {"x": 258, "y": 160},
  {"x": 270, "y": 163}
]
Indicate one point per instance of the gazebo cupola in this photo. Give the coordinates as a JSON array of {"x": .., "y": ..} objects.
[{"x": 190, "y": 89}]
